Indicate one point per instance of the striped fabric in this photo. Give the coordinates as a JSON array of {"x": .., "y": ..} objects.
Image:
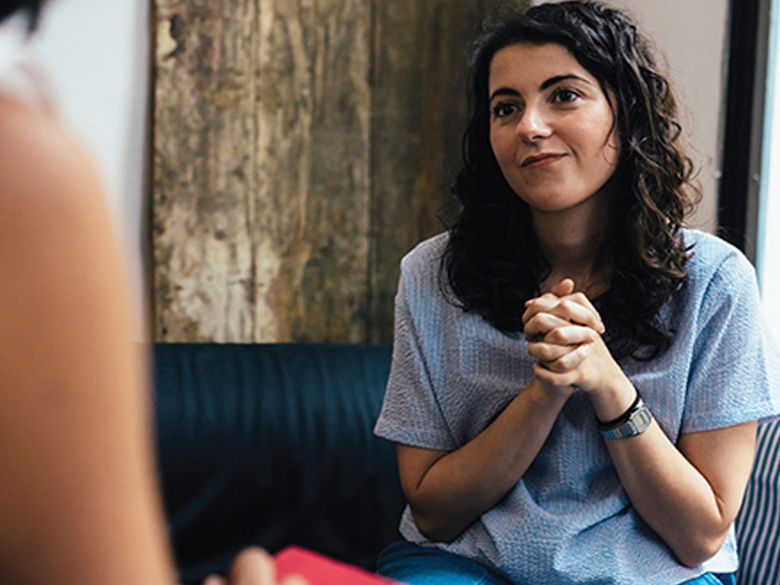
[{"x": 758, "y": 522}]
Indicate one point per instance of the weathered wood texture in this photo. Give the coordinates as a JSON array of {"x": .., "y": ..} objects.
[
  {"x": 421, "y": 52},
  {"x": 205, "y": 139},
  {"x": 301, "y": 147}
]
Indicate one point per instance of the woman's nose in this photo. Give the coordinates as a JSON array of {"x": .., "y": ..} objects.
[{"x": 533, "y": 125}]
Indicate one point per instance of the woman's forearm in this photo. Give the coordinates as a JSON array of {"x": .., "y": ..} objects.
[
  {"x": 449, "y": 491},
  {"x": 691, "y": 512},
  {"x": 690, "y": 493}
]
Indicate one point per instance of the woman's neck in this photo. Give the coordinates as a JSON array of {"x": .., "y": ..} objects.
[{"x": 572, "y": 243}]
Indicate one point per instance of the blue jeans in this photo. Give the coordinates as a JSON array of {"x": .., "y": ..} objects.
[
  {"x": 420, "y": 565},
  {"x": 713, "y": 579}
]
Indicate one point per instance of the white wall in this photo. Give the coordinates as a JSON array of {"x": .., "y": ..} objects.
[{"x": 693, "y": 34}]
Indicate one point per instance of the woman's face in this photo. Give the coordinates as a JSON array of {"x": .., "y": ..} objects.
[{"x": 551, "y": 126}]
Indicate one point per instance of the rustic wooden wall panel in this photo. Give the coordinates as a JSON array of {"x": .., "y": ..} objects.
[
  {"x": 301, "y": 148},
  {"x": 260, "y": 208},
  {"x": 203, "y": 144},
  {"x": 313, "y": 170}
]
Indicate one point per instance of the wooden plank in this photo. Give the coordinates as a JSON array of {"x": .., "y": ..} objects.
[
  {"x": 204, "y": 133},
  {"x": 312, "y": 170},
  {"x": 260, "y": 207}
]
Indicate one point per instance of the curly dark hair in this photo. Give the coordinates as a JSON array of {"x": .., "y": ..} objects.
[
  {"x": 32, "y": 9},
  {"x": 492, "y": 263}
]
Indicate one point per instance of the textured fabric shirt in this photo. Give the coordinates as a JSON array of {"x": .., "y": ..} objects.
[{"x": 568, "y": 520}]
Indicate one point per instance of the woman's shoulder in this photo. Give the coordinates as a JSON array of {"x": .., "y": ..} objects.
[
  {"x": 42, "y": 166},
  {"x": 425, "y": 255},
  {"x": 712, "y": 255},
  {"x": 717, "y": 270},
  {"x": 64, "y": 275},
  {"x": 421, "y": 270},
  {"x": 52, "y": 209}
]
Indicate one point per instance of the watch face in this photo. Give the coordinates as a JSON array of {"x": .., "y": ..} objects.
[
  {"x": 639, "y": 420},
  {"x": 642, "y": 419}
]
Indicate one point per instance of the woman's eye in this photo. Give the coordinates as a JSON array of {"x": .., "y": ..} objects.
[
  {"x": 502, "y": 110},
  {"x": 565, "y": 96}
]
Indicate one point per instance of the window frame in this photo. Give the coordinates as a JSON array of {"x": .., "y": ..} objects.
[{"x": 744, "y": 152}]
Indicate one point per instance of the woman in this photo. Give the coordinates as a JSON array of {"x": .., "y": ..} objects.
[
  {"x": 576, "y": 377},
  {"x": 78, "y": 499}
]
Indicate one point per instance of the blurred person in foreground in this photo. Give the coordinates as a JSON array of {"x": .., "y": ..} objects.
[{"x": 78, "y": 496}]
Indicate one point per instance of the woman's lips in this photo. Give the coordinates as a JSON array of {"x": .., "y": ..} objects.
[{"x": 541, "y": 160}]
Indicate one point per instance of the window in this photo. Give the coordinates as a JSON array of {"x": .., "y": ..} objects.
[
  {"x": 749, "y": 201},
  {"x": 768, "y": 221}
]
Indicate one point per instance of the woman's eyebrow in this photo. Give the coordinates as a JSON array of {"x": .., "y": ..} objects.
[
  {"x": 547, "y": 83},
  {"x": 503, "y": 91},
  {"x": 558, "y": 78}
]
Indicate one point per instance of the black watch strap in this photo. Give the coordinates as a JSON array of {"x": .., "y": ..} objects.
[{"x": 631, "y": 423}]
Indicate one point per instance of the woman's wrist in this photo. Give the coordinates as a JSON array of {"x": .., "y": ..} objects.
[
  {"x": 548, "y": 393},
  {"x": 614, "y": 399},
  {"x": 615, "y": 422}
]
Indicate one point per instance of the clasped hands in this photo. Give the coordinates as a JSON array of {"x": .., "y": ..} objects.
[{"x": 563, "y": 330}]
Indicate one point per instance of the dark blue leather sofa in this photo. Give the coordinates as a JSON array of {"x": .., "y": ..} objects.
[{"x": 272, "y": 444}]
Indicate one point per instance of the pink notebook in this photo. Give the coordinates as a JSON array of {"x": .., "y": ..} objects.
[{"x": 318, "y": 569}]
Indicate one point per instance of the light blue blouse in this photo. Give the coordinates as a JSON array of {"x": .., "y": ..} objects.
[{"x": 568, "y": 520}]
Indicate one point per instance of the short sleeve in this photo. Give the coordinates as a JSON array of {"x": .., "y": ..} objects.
[
  {"x": 411, "y": 413},
  {"x": 734, "y": 371}
]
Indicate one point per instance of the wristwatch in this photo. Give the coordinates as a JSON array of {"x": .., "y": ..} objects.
[{"x": 633, "y": 422}]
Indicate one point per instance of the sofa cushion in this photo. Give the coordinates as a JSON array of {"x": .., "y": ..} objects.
[
  {"x": 758, "y": 522},
  {"x": 272, "y": 444}
]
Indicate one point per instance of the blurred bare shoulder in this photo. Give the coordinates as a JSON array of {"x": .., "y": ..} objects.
[
  {"x": 42, "y": 166},
  {"x": 58, "y": 256},
  {"x": 73, "y": 406}
]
